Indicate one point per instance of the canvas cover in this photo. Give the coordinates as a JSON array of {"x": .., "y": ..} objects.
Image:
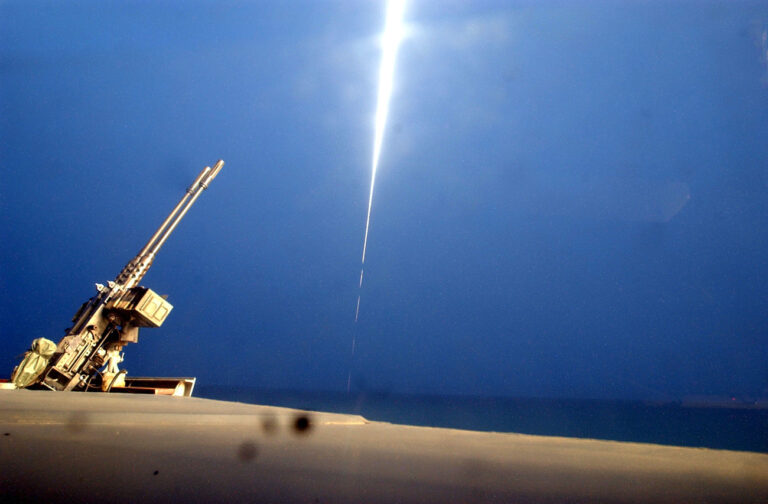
[{"x": 34, "y": 362}]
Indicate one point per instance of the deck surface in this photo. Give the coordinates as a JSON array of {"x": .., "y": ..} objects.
[{"x": 78, "y": 447}]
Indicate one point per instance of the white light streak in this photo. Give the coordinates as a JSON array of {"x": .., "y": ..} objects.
[{"x": 390, "y": 42}]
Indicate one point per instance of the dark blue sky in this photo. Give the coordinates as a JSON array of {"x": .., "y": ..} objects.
[{"x": 572, "y": 199}]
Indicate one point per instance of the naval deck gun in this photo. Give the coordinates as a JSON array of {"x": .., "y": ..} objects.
[{"x": 112, "y": 318}]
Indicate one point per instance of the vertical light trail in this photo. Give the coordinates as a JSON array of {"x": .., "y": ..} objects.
[{"x": 390, "y": 42}]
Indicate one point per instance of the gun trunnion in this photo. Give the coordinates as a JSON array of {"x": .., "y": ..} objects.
[{"x": 112, "y": 318}]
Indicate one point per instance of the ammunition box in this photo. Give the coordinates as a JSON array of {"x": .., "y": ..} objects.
[{"x": 141, "y": 307}]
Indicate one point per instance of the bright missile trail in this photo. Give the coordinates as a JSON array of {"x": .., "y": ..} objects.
[{"x": 390, "y": 42}]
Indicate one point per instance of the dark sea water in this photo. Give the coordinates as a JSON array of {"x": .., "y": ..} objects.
[{"x": 714, "y": 425}]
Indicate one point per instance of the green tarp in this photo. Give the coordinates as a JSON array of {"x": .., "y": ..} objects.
[{"x": 34, "y": 362}]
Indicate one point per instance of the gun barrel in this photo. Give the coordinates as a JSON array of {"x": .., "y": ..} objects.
[
  {"x": 204, "y": 172},
  {"x": 204, "y": 179},
  {"x": 135, "y": 270},
  {"x": 216, "y": 169}
]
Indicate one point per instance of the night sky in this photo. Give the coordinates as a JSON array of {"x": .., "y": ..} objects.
[{"x": 572, "y": 199}]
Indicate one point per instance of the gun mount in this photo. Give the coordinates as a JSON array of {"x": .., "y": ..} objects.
[{"x": 112, "y": 318}]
